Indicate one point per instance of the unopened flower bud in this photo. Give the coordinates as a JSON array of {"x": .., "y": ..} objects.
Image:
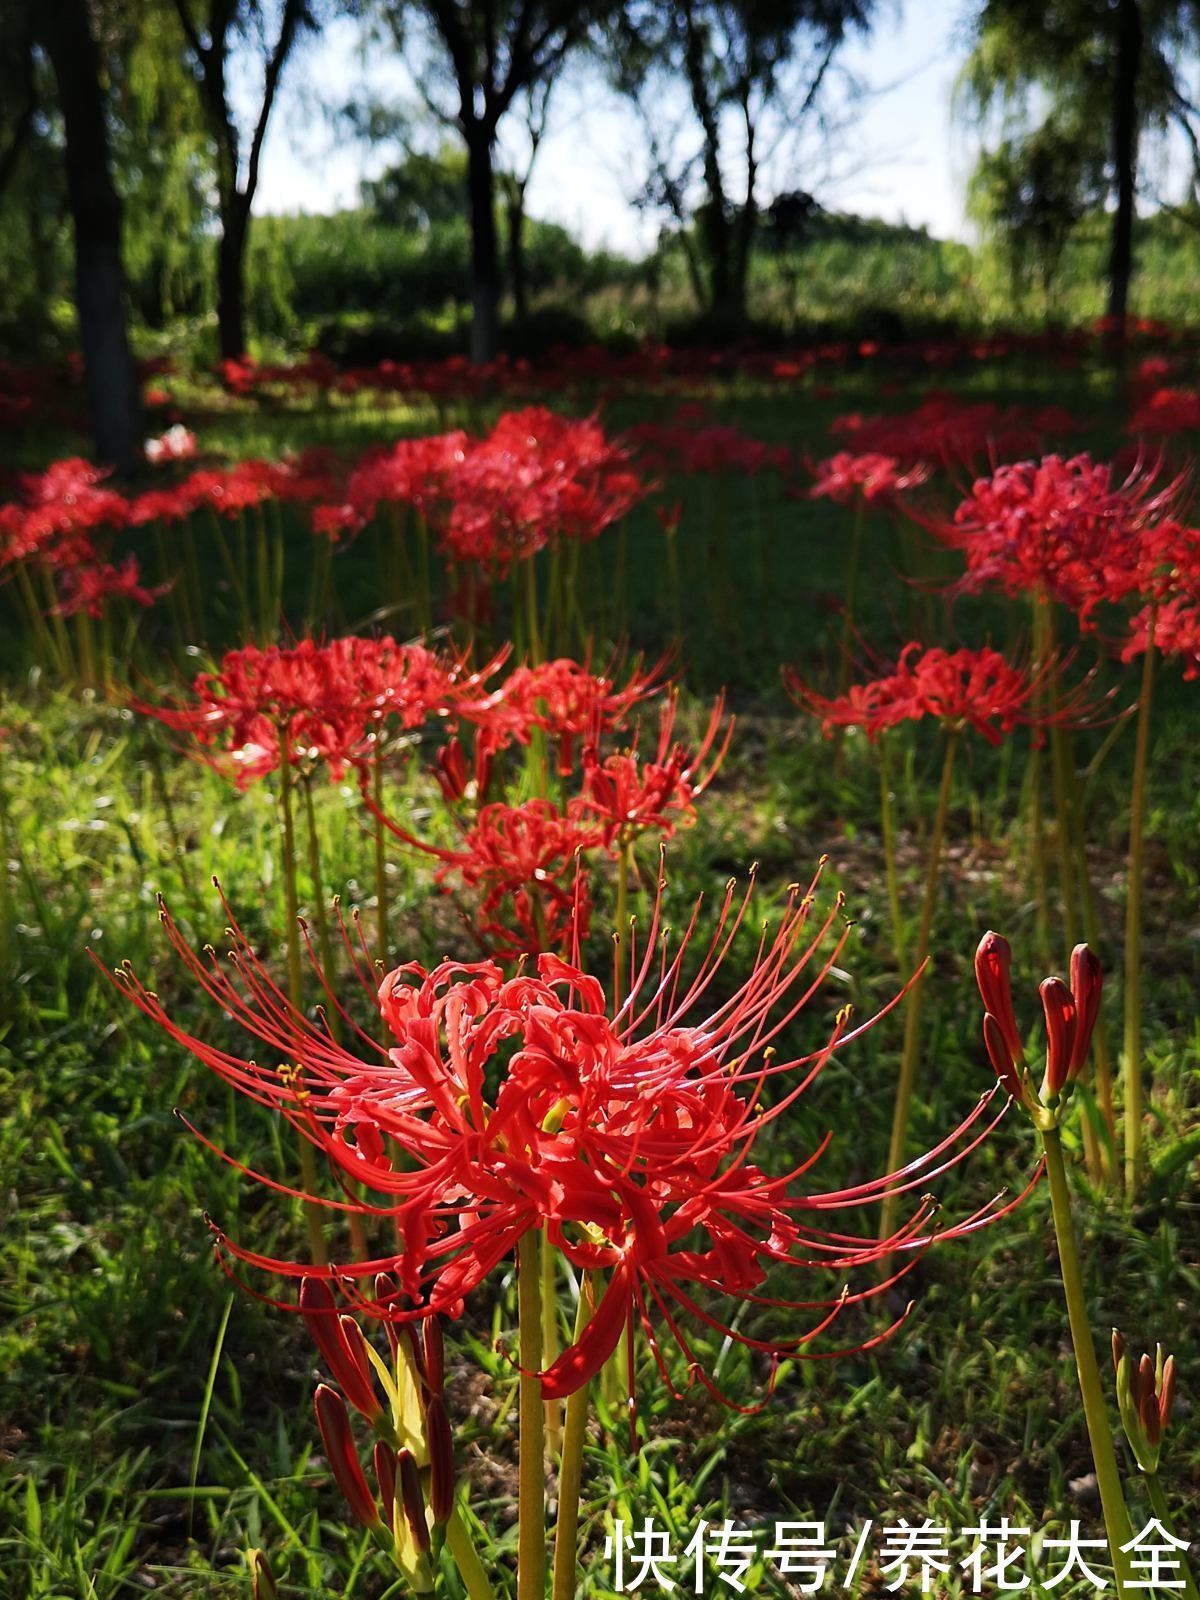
[
  {"x": 262, "y": 1579},
  {"x": 441, "y": 1459},
  {"x": 413, "y": 1500},
  {"x": 345, "y": 1354},
  {"x": 1001, "y": 1059},
  {"x": 1145, "y": 1396},
  {"x": 1059, "y": 1006},
  {"x": 993, "y": 968},
  {"x": 334, "y": 1422},
  {"x": 435, "y": 1358},
  {"x": 385, "y": 1477},
  {"x": 1087, "y": 982}
]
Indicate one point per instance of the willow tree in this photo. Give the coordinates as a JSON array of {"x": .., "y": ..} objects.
[{"x": 1115, "y": 75}]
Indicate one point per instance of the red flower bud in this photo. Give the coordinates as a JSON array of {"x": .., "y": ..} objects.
[
  {"x": 334, "y": 1422},
  {"x": 452, "y": 771},
  {"x": 385, "y": 1477},
  {"x": 993, "y": 967},
  {"x": 435, "y": 1359},
  {"x": 1147, "y": 1401},
  {"x": 1059, "y": 1007},
  {"x": 413, "y": 1500},
  {"x": 441, "y": 1459},
  {"x": 1166, "y": 1398},
  {"x": 1087, "y": 981},
  {"x": 347, "y": 1362},
  {"x": 998, "y": 1054}
]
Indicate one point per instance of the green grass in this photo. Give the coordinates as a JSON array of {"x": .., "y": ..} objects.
[{"x": 145, "y": 1441}]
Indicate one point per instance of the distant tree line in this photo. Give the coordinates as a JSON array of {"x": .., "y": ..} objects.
[{"x": 145, "y": 120}]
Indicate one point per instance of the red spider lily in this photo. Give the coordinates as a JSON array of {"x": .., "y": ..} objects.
[
  {"x": 87, "y": 587},
  {"x": 872, "y": 477},
  {"x": 1172, "y": 627},
  {"x": 316, "y": 702},
  {"x": 521, "y": 863},
  {"x": 628, "y": 796},
  {"x": 497, "y": 1105},
  {"x": 231, "y": 491},
  {"x": 1166, "y": 412},
  {"x": 1065, "y": 528},
  {"x": 535, "y": 478},
  {"x": 975, "y": 689},
  {"x": 566, "y": 699}
]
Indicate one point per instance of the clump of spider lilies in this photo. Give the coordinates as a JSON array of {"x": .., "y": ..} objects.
[{"x": 490, "y": 1114}]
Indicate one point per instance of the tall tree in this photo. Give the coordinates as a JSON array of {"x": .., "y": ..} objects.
[
  {"x": 485, "y": 54},
  {"x": 213, "y": 30},
  {"x": 1115, "y": 75},
  {"x": 64, "y": 30},
  {"x": 753, "y": 71}
]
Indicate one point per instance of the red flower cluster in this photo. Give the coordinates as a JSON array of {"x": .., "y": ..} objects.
[
  {"x": 566, "y": 700},
  {"x": 1064, "y": 528},
  {"x": 845, "y": 478},
  {"x": 1166, "y": 412},
  {"x": 629, "y": 797},
  {"x": 1174, "y": 627},
  {"x": 535, "y": 479},
  {"x": 64, "y": 523},
  {"x": 962, "y": 688},
  {"x": 522, "y": 860},
  {"x": 230, "y": 491},
  {"x": 316, "y": 702},
  {"x": 499, "y": 1105}
]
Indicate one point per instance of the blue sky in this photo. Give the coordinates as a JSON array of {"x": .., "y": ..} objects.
[{"x": 898, "y": 153}]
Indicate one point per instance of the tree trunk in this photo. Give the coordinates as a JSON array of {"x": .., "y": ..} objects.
[
  {"x": 516, "y": 251},
  {"x": 1125, "y": 141},
  {"x": 485, "y": 255},
  {"x": 109, "y": 370},
  {"x": 231, "y": 277}
]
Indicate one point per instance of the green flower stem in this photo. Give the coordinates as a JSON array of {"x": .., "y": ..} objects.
[
  {"x": 1116, "y": 1515},
  {"x": 381, "y": 897},
  {"x": 1133, "y": 928},
  {"x": 550, "y": 1341},
  {"x": 614, "y": 1374},
  {"x": 1158, "y": 1504},
  {"x": 912, "y": 1019},
  {"x": 466, "y": 1557},
  {"x": 570, "y": 1473},
  {"x": 308, "y": 1163},
  {"x": 1091, "y": 933},
  {"x": 531, "y": 1493},
  {"x": 888, "y": 829}
]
